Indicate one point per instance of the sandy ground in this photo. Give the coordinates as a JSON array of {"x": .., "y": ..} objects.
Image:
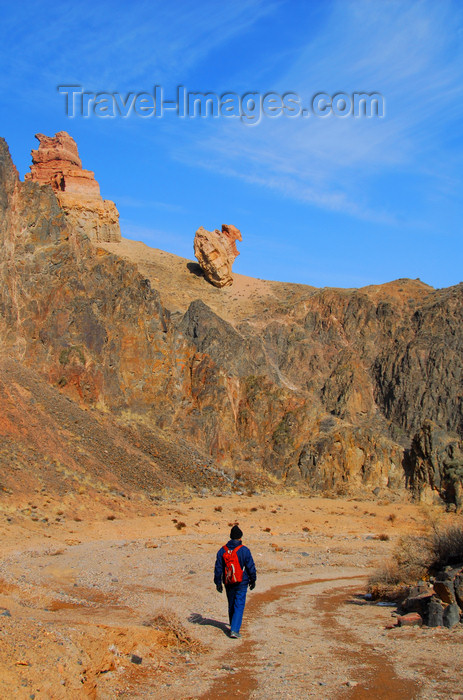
[{"x": 83, "y": 600}]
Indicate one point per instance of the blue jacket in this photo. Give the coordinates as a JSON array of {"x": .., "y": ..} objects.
[{"x": 245, "y": 559}]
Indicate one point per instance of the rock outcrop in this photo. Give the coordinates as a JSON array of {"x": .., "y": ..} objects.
[
  {"x": 216, "y": 251},
  {"x": 56, "y": 162},
  {"x": 322, "y": 389},
  {"x": 434, "y": 464},
  {"x": 440, "y": 604}
]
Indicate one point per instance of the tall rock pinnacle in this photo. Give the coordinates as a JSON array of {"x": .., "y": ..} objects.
[{"x": 56, "y": 162}]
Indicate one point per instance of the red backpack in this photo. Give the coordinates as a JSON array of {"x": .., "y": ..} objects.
[{"x": 233, "y": 570}]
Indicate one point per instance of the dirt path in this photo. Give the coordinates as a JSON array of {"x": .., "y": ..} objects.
[
  {"x": 374, "y": 672},
  {"x": 373, "y": 675},
  {"x": 79, "y": 600}
]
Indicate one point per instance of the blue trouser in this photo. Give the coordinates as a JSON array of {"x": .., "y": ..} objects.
[{"x": 236, "y": 594}]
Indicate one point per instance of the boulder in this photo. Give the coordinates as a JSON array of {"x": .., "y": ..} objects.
[
  {"x": 435, "y": 613},
  {"x": 418, "y": 603},
  {"x": 410, "y": 620},
  {"x": 451, "y": 615},
  {"x": 56, "y": 162},
  {"x": 445, "y": 591},
  {"x": 216, "y": 251}
]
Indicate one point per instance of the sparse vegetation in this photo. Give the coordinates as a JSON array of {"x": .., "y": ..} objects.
[
  {"x": 447, "y": 547},
  {"x": 174, "y": 633},
  {"x": 416, "y": 558},
  {"x": 180, "y": 525}
]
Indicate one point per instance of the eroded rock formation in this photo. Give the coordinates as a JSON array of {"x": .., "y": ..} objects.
[
  {"x": 56, "y": 162},
  {"x": 216, "y": 251},
  {"x": 322, "y": 389}
]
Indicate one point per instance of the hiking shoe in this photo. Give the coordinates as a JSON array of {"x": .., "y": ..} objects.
[{"x": 235, "y": 635}]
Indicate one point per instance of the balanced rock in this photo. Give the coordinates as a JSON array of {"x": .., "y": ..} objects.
[
  {"x": 56, "y": 162},
  {"x": 216, "y": 251}
]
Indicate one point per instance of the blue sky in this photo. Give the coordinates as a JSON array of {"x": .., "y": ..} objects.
[{"x": 324, "y": 201}]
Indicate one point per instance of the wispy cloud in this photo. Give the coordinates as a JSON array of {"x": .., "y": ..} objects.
[
  {"x": 108, "y": 46},
  {"x": 412, "y": 54}
]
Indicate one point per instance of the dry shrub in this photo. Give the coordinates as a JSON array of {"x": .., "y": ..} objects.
[
  {"x": 409, "y": 564},
  {"x": 415, "y": 558},
  {"x": 386, "y": 583},
  {"x": 174, "y": 635},
  {"x": 383, "y": 537},
  {"x": 218, "y": 509},
  {"x": 447, "y": 547},
  {"x": 412, "y": 556},
  {"x": 392, "y": 517},
  {"x": 180, "y": 525}
]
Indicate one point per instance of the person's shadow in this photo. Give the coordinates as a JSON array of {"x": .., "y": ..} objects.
[{"x": 198, "y": 619}]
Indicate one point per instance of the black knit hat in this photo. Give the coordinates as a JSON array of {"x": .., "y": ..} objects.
[{"x": 235, "y": 533}]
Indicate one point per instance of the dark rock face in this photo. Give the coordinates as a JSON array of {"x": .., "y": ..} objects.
[
  {"x": 420, "y": 375},
  {"x": 330, "y": 418},
  {"x": 435, "y": 461},
  {"x": 83, "y": 318},
  {"x": 326, "y": 389}
]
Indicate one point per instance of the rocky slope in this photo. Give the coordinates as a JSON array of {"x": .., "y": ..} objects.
[{"x": 318, "y": 387}]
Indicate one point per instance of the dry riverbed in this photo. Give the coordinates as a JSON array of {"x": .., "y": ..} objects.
[{"x": 123, "y": 605}]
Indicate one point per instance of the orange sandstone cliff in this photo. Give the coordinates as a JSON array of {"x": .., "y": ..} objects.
[{"x": 56, "y": 162}]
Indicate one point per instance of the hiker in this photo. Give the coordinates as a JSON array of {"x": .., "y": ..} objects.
[{"x": 235, "y": 567}]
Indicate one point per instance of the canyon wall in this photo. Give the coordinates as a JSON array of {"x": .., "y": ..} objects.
[{"x": 324, "y": 389}]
